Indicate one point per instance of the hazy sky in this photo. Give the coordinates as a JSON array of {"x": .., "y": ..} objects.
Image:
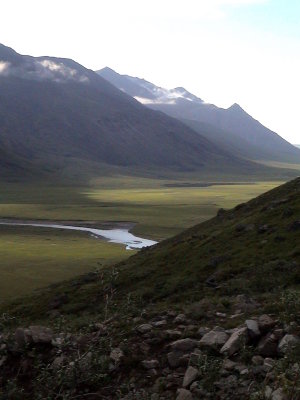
[{"x": 224, "y": 51}]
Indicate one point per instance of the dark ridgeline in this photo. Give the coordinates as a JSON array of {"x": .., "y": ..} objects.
[
  {"x": 55, "y": 115},
  {"x": 232, "y": 129}
]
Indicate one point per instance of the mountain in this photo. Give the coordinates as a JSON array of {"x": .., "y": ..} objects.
[
  {"x": 215, "y": 305},
  {"x": 57, "y": 116},
  {"x": 232, "y": 128}
]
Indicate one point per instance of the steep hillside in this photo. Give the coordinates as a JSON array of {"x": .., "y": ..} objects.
[
  {"x": 161, "y": 322},
  {"x": 56, "y": 114},
  {"x": 232, "y": 127}
]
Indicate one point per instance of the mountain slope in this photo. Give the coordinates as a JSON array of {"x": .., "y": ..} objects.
[
  {"x": 233, "y": 127},
  {"x": 54, "y": 112},
  {"x": 234, "y": 268}
]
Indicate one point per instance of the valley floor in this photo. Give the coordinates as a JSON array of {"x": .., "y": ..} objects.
[{"x": 35, "y": 257}]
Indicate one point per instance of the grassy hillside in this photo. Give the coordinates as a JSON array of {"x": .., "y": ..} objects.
[
  {"x": 241, "y": 264},
  {"x": 32, "y": 258}
]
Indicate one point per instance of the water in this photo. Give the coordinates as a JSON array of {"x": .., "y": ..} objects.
[{"x": 121, "y": 236}]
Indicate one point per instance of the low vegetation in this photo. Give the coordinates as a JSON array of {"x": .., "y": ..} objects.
[
  {"x": 173, "y": 320},
  {"x": 35, "y": 257}
]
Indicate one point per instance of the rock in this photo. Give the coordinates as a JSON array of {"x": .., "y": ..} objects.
[
  {"x": 267, "y": 347},
  {"x": 150, "y": 364},
  {"x": 268, "y": 393},
  {"x": 215, "y": 339},
  {"x": 268, "y": 364},
  {"x": 195, "y": 357},
  {"x": 159, "y": 324},
  {"x": 58, "y": 362},
  {"x": 253, "y": 329},
  {"x": 184, "y": 345},
  {"x": 144, "y": 328},
  {"x": 229, "y": 365},
  {"x": 173, "y": 334},
  {"x": 174, "y": 358},
  {"x": 235, "y": 342},
  {"x": 22, "y": 337},
  {"x": 116, "y": 355},
  {"x": 265, "y": 323},
  {"x": 257, "y": 360},
  {"x": 287, "y": 343},
  {"x": 278, "y": 395},
  {"x": 180, "y": 319},
  {"x": 41, "y": 334},
  {"x": 202, "y": 331},
  {"x": 221, "y": 315},
  {"x": 190, "y": 376},
  {"x": 183, "y": 394}
]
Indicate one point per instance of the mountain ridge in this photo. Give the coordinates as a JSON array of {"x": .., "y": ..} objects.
[{"x": 246, "y": 136}]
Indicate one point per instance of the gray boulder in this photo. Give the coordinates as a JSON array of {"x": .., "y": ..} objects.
[
  {"x": 150, "y": 364},
  {"x": 214, "y": 339},
  {"x": 287, "y": 343},
  {"x": 253, "y": 328},
  {"x": 190, "y": 376},
  {"x": 235, "y": 342},
  {"x": 265, "y": 323},
  {"x": 184, "y": 345},
  {"x": 183, "y": 394}
]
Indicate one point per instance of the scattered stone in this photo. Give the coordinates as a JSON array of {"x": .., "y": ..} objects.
[
  {"x": 202, "y": 331},
  {"x": 194, "y": 357},
  {"x": 180, "y": 319},
  {"x": 235, "y": 342},
  {"x": 183, "y": 394},
  {"x": 267, "y": 347},
  {"x": 144, "y": 328},
  {"x": 278, "y": 395},
  {"x": 221, "y": 315},
  {"x": 150, "y": 364},
  {"x": 184, "y": 345},
  {"x": 173, "y": 334},
  {"x": 269, "y": 364},
  {"x": 268, "y": 392},
  {"x": 215, "y": 339},
  {"x": 116, "y": 355},
  {"x": 174, "y": 358},
  {"x": 265, "y": 323},
  {"x": 253, "y": 329},
  {"x": 159, "y": 324},
  {"x": 22, "y": 337},
  {"x": 229, "y": 365},
  {"x": 41, "y": 334},
  {"x": 287, "y": 343},
  {"x": 190, "y": 376}
]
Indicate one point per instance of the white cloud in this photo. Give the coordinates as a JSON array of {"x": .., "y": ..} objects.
[{"x": 4, "y": 65}]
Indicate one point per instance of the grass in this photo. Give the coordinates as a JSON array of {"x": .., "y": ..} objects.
[{"x": 35, "y": 257}]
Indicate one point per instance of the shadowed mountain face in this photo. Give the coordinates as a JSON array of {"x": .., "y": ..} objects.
[
  {"x": 232, "y": 129},
  {"x": 54, "y": 111}
]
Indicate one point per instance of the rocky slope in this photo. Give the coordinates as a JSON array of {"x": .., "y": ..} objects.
[{"x": 213, "y": 313}]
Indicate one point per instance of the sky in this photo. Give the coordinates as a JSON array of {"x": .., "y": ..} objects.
[{"x": 224, "y": 51}]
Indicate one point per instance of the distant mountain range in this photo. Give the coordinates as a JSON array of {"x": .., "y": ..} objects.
[
  {"x": 231, "y": 129},
  {"x": 59, "y": 118}
]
